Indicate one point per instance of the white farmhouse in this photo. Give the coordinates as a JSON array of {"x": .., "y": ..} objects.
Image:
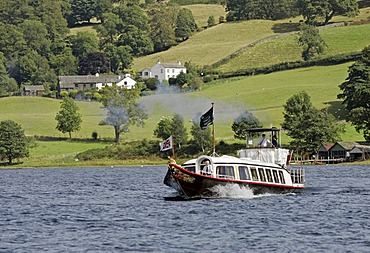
[
  {"x": 127, "y": 82},
  {"x": 163, "y": 71}
]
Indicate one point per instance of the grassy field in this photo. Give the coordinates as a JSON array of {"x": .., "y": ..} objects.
[
  {"x": 263, "y": 95},
  {"x": 214, "y": 44},
  {"x": 211, "y": 45},
  {"x": 340, "y": 40},
  {"x": 201, "y": 12}
]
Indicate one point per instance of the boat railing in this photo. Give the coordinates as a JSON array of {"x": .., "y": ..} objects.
[{"x": 298, "y": 175}]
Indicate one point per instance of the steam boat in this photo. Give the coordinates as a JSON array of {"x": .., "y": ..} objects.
[{"x": 262, "y": 169}]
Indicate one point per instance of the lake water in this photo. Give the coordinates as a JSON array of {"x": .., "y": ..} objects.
[{"x": 123, "y": 209}]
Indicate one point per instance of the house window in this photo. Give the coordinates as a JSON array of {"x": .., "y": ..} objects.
[
  {"x": 146, "y": 73},
  {"x": 156, "y": 76},
  {"x": 243, "y": 173},
  {"x": 125, "y": 82},
  {"x": 173, "y": 70},
  {"x": 161, "y": 71},
  {"x": 168, "y": 70}
]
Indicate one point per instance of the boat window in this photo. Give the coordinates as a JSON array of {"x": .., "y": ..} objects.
[
  {"x": 262, "y": 174},
  {"x": 276, "y": 177},
  {"x": 225, "y": 172},
  {"x": 244, "y": 173},
  {"x": 281, "y": 175},
  {"x": 190, "y": 168},
  {"x": 254, "y": 174},
  {"x": 269, "y": 175}
]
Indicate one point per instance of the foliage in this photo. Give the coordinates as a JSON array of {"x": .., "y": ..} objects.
[
  {"x": 211, "y": 21},
  {"x": 308, "y": 127},
  {"x": 84, "y": 10},
  {"x": 356, "y": 93},
  {"x": 202, "y": 139},
  {"x": 68, "y": 118},
  {"x": 13, "y": 142},
  {"x": 178, "y": 128},
  {"x": 164, "y": 129},
  {"x": 185, "y": 24},
  {"x": 311, "y": 41},
  {"x": 316, "y": 10},
  {"x": 174, "y": 126},
  {"x": 259, "y": 9},
  {"x": 162, "y": 21},
  {"x": 243, "y": 122},
  {"x": 122, "y": 109},
  {"x": 83, "y": 43},
  {"x": 93, "y": 63}
]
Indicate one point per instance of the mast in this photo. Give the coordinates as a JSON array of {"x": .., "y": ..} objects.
[
  {"x": 213, "y": 132},
  {"x": 173, "y": 147}
]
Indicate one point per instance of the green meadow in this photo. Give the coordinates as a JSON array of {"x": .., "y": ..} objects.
[
  {"x": 339, "y": 40},
  {"x": 263, "y": 95}
]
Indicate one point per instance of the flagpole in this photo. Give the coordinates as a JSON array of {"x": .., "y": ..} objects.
[
  {"x": 173, "y": 147},
  {"x": 213, "y": 133}
]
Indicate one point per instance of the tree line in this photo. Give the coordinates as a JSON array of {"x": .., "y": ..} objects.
[{"x": 36, "y": 47}]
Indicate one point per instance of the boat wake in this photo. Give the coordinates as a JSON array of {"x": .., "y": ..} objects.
[{"x": 234, "y": 191}]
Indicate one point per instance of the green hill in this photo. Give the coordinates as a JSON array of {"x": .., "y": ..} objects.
[
  {"x": 263, "y": 95},
  {"x": 219, "y": 42}
]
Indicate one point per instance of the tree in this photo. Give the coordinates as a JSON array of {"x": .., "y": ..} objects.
[
  {"x": 93, "y": 63},
  {"x": 307, "y": 126},
  {"x": 185, "y": 24},
  {"x": 162, "y": 23},
  {"x": 34, "y": 69},
  {"x": 211, "y": 21},
  {"x": 81, "y": 10},
  {"x": 120, "y": 58},
  {"x": 201, "y": 138},
  {"x": 69, "y": 120},
  {"x": 83, "y": 43},
  {"x": 315, "y": 11},
  {"x": 122, "y": 109},
  {"x": 178, "y": 130},
  {"x": 259, "y": 9},
  {"x": 164, "y": 128},
  {"x": 356, "y": 93},
  {"x": 242, "y": 123},
  {"x": 311, "y": 41},
  {"x": 36, "y": 36},
  {"x": 174, "y": 126},
  {"x": 13, "y": 141},
  {"x": 7, "y": 84}
]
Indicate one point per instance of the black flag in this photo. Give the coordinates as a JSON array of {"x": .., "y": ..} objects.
[{"x": 206, "y": 119}]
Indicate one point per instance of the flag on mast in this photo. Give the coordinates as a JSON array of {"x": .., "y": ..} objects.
[
  {"x": 206, "y": 119},
  {"x": 167, "y": 144}
]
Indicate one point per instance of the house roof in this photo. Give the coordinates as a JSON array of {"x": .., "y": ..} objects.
[
  {"x": 326, "y": 147},
  {"x": 172, "y": 65},
  {"x": 34, "y": 88},
  {"x": 69, "y": 81},
  {"x": 345, "y": 145}
]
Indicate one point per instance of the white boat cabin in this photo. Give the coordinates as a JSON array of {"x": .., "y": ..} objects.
[{"x": 245, "y": 169}]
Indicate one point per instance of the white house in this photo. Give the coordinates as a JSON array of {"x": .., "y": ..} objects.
[
  {"x": 163, "y": 71},
  {"x": 127, "y": 82}
]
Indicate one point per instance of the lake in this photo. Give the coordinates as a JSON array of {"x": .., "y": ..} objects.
[{"x": 123, "y": 209}]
